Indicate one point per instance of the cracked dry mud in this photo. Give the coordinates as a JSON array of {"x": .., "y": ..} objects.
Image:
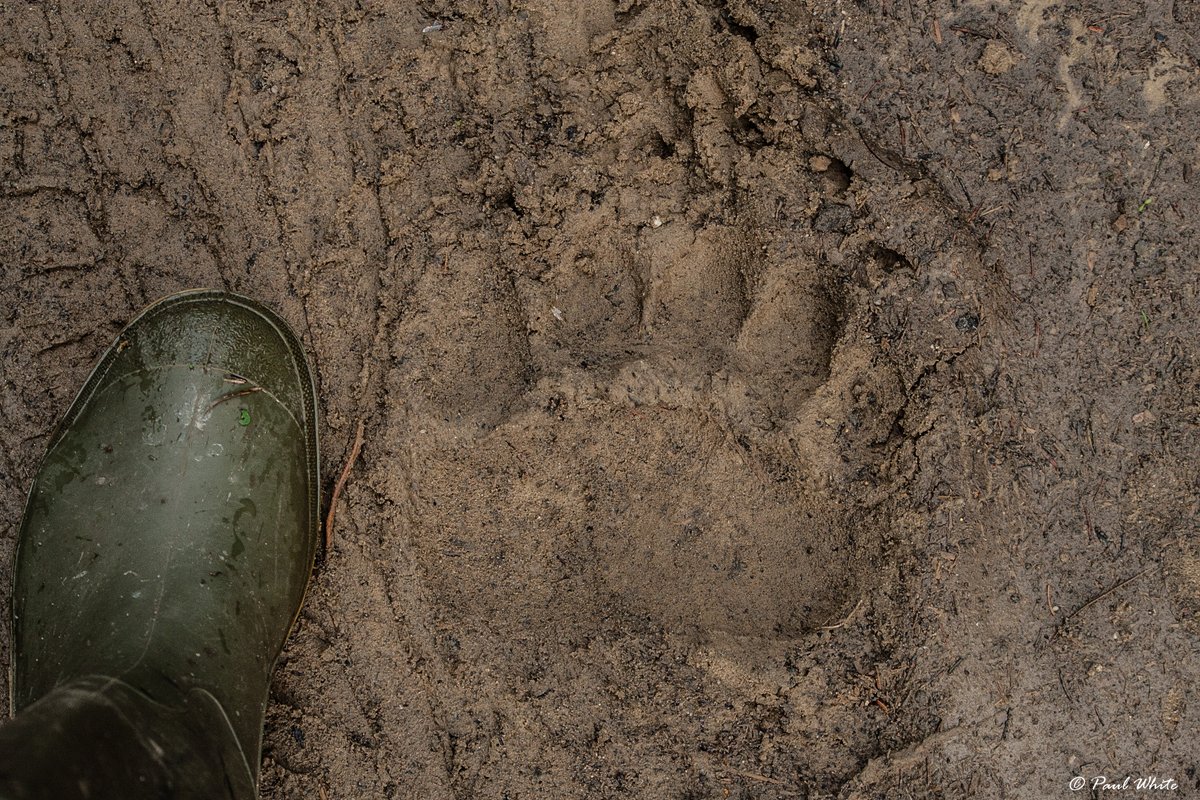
[{"x": 757, "y": 394}]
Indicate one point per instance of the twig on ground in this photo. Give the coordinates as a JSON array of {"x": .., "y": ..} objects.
[
  {"x": 837, "y": 625},
  {"x": 1107, "y": 592},
  {"x": 341, "y": 482}
]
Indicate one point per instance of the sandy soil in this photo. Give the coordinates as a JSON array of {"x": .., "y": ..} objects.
[{"x": 762, "y": 399}]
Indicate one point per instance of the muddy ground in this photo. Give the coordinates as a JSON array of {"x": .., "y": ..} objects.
[{"x": 762, "y": 399}]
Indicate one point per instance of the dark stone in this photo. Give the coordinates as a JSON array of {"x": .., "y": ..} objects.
[{"x": 833, "y": 217}]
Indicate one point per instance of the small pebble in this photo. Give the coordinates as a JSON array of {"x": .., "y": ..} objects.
[
  {"x": 1145, "y": 418},
  {"x": 967, "y": 322},
  {"x": 997, "y": 59}
]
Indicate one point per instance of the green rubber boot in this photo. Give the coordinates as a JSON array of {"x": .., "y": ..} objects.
[{"x": 166, "y": 546}]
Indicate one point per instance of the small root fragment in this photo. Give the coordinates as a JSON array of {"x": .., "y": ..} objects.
[{"x": 341, "y": 482}]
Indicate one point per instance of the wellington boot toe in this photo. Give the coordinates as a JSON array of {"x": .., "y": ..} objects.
[{"x": 169, "y": 535}]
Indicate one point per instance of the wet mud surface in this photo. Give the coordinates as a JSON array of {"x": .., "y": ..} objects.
[{"x": 762, "y": 399}]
